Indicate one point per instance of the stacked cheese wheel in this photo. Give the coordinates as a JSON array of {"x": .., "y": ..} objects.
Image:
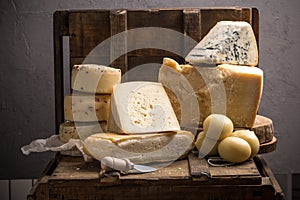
[
  {"x": 86, "y": 110},
  {"x": 132, "y": 120}
]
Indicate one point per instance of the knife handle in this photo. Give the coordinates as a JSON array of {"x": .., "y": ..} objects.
[{"x": 111, "y": 163}]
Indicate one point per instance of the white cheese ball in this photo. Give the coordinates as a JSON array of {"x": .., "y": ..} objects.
[
  {"x": 251, "y": 138},
  {"x": 234, "y": 149},
  {"x": 217, "y": 126}
]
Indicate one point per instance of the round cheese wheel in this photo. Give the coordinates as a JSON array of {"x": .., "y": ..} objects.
[
  {"x": 217, "y": 126},
  {"x": 234, "y": 149},
  {"x": 251, "y": 138}
]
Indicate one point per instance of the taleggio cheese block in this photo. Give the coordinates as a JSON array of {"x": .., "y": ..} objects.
[
  {"x": 86, "y": 108},
  {"x": 141, "y": 148},
  {"x": 141, "y": 107},
  {"x": 94, "y": 78},
  {"x": 71, "y": 130},
  {"x": 228, "y": 42},
  {"x": 232, "y": 90}
]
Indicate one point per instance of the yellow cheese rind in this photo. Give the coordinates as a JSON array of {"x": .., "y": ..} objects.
[
  {"x": 141, "y": 107},
  {"x": 70, "y": 130},
  {"x": 86, "y": 108},
  {"x": 234, "y": 149},
  {"x": 141, "y": 148},
  {"x": 231, "y": 90},
  {"x": 92, "y": 78}
]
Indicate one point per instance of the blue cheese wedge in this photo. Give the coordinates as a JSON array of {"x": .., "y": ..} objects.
[
  {"x": 228, "y": 42},
  {"x": 141, "y": 107},
  {"x": 92, "y": 78}
]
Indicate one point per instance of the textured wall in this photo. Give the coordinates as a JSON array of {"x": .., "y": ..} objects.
[{"x": 27, "y": 85}]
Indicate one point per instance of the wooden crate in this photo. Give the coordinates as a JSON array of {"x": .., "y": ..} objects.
[
  {"x": 72, "y": 178},
  {"x": 87, "y": 29}
]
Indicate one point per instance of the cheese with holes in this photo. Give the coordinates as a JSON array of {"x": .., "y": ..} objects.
[
  {"x": 141, "y": 148},
  {"x": 86, "y": 108},
  {"x": 228, "y": 42},
  {"x": 71, "y": 130},
  {"x": 232, "y": 90},
  {"x": 94, "y": 78},
  {"x": 141, "y": 107}
]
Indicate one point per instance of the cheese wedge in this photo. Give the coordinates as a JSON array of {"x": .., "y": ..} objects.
[
  {"x": 80, "y": 130},
  {"x": 141, "y": 107},
  {"x": 232, "y": 90},
  {"x": 86, "y": 108},
  {"x": 93, "y": 78},
  {"x": 228, "y": 42},
  {"x": 141, "y": 148}
]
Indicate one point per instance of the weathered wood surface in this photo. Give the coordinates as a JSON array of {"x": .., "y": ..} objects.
[{"x": 73, "y": 178}]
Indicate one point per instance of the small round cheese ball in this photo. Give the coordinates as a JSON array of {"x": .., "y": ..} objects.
[
  {"x": 217, "y": 126},
  {"x": 234, "y": 149},
  {"x": 251, "y": 138},
  {"x": 213, "y": 144}
]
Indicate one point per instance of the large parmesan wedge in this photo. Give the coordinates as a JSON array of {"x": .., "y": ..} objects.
[
  {"x": 228, "y": 42},
  {"x": 141, "y": 148},
  {"x": 232, "y": 90}
]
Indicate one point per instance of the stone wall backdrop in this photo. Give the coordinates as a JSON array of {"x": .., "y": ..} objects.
[{"x": 27, "y": 76}]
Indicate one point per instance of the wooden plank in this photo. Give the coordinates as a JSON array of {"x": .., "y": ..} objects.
[
  {"x": 198, "y": 167},
  {"x": 247, "y": 168},
  {"x": 118, "y": 48},
  {"x": 87, "y": 30},
  {"x": 155, "y": 18},
  {"x": 60, "y": 29},
  {"x": 75, "y": 168},
  {"x": 266, "y": 171},
  {"x": 191, "y": 29},
  {"x": 134, "y": 61}
]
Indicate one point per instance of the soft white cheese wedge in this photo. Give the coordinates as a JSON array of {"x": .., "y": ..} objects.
[
  {"x": 228, "y": 42},
  {"x": 141, "y": 107}
]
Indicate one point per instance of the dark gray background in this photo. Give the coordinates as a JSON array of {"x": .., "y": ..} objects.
[{"x": 27, "y": 76}]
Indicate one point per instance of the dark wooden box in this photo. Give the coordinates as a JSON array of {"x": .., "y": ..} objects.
[{"x": 72, "y": 178}]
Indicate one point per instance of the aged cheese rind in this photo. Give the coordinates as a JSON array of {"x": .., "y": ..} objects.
[
  {"x": 228, "y": 42},
  {"x": 141, "y": 148},
  {"x": 141, "y": 107},
  {"x": 226, "y": 89},
  {"x": 70, "y": 130},
  {"x": 86, "y": 108},
  {"x": 92, "y": 78}
]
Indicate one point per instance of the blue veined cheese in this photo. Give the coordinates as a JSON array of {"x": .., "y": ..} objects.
[
  {"x": 71, "y": 130},
  {"x": 141, "y": 107},
  {"x": 92, "y": 78},
  {"x": 86, "y": 107},
  {"x": 228, "y": 42}
]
